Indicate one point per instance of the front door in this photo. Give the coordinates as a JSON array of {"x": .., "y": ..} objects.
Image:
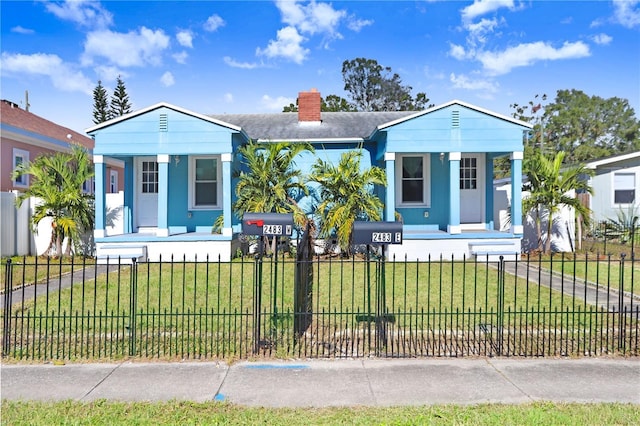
[
  {"x": 472, "y": 203},
  {"x": 147, "y": 192}
]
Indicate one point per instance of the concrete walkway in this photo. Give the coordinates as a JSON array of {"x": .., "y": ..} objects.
[
  {"x": 326, "y": 383},
  {"x": 609, "y": 298}
]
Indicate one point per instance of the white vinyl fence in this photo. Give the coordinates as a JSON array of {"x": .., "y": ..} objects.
[{"x": 16, "y": 235}]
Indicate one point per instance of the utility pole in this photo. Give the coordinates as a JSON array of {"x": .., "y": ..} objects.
[{"x": 26, "y": 101}]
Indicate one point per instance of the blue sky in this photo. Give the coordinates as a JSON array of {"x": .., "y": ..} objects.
[{"x": 249, "y": 57}]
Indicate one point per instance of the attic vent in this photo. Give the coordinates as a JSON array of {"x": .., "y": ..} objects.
[
  {"x": 164, "y": 123},
  {"x": 455, "y": 119}
]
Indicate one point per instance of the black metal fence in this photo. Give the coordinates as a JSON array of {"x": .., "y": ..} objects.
[{"x": 266, "y": 307}]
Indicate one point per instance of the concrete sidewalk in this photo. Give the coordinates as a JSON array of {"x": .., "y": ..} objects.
[{"x": 324, "y": 383}]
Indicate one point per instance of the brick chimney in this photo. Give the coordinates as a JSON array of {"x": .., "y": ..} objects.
[{"x": 309, "y": 105}]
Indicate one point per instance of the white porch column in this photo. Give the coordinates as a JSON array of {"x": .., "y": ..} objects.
[
  {"x": 226, "y": 158},
  {"x": 163, "y": 195},
  {"x": 516, "y": 193},
  {"x": 454, "y": 193},
  {"x": 390, "y": 199},
  {"x": 99, "y": 196}
]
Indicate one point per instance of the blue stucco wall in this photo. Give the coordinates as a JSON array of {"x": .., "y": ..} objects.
[{"x": 438, "y": 212}]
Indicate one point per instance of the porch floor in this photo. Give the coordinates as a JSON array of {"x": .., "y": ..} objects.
[
  {"x": 143, "y": 237},
  {"x": 419, "y": 234}
]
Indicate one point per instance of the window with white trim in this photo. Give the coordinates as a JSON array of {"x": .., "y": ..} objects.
[
  {"x": 204, "y": 182},
  {"x": 20, "y": 156},
  {"x": 468, "y": 173},
  {"x": 413, "y": 180},
  {"x": 624, "y": 188},
  {"x": 113, "y": 181}
]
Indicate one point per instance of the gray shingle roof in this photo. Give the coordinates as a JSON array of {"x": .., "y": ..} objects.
[{"x": 335, "y": 125}]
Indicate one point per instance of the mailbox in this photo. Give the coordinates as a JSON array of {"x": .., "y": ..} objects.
[
  {"x": 377, "y": 232},
  {"x": 276, "y": 224}
]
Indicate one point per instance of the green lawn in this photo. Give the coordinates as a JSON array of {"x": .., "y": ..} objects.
[
  {"x": 605, "y": 271},
  {"x": 174, "y": 413}
]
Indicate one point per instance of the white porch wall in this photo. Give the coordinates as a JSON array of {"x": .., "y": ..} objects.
[
  {"x": 562, "y": 231},
  {"x": 114, "y": 218}
]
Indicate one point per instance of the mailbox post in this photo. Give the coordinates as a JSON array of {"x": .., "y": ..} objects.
[
  {"x": 377, "y": 233},
  {"x": 265, "y": 225}
]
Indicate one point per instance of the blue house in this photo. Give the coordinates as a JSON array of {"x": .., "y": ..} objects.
[{"x": 179, "y": 175}]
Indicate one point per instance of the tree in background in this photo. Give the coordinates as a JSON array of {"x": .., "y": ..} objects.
[
  {"x": 100, "y": 104},
  {"x": 57, "y": 181},
  {"x": 588, "y": 127},
  {"x": 371, "y": 87},
  {"x": 550, "y": 184},
  {"x": 584, "y": 127},
  {"x": 120, "y": 104},
  {"x": 346, "y": 195},
  {"x": 335, "y": 103},
  {"x": 332, "y": 103}
]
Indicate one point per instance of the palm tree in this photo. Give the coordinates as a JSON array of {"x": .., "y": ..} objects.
[
  {"x": 549, "y": 183},
  {"x": 57, "y": 181},
  {"x": 346, "y": 195},
  {"x": 269, "y": 181}
]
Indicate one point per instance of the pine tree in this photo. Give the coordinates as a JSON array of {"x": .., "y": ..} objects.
[
  {"x": 120, "y": 104},
  {"x": 100, "y": 105}
]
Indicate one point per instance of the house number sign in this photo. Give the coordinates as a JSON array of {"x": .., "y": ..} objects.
[{"x": 385, "y": 237}]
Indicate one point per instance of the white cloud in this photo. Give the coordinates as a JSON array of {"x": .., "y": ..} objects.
[
  {"x": 21, "y": 30},
  {"x": 464, "y": 82},
  {"x": 357, "y": 24},
  {"x": 288, "y": 45},
  {"x": 482, "y": 7},
  {"x": 167, "y": 79},
  {"x": 185, "y": 38},
  {"x": 180, "y": 57},
  {"x": 602, "y": 39},
  {"x": 235, "y": 64},
  {"x": 526, "y": 54},
  {"x": 311, "y": 18},
  {"x": 109, "y": 73},
  {"x": 276, "y": 104},
  {"x": 144, "y": 47},
  {"x": 86, "y": 13},
  {"x": 213, "y": 23},
  {"x": 478, "y": 31},
  {"x": 627, "y": 12},
  {"x": 228, "y": 98},
  {"x": 458, "y": 52},
  {"x": 63, "y": 75}
]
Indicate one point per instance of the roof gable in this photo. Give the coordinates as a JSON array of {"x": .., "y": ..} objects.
[
  {"x": 146, "y": 110},
  {"x": 459, "y": 103},
  {"x": 613, "y": 159}
]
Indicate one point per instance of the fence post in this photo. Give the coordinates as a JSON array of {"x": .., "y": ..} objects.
[
  {"x": 6, "y": 320},
  {"x": 500, "y": 307},
  {"x": 621, "y": 314},
  {"x": 132, "y": 306},
  {"x": 257, "y": 297}
]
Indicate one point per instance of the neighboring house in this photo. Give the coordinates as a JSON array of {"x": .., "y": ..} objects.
[
  {"x": 179, "y": 175},
  {"x": 616, "y": 186},
  {"x": 23, "y": 137}
]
